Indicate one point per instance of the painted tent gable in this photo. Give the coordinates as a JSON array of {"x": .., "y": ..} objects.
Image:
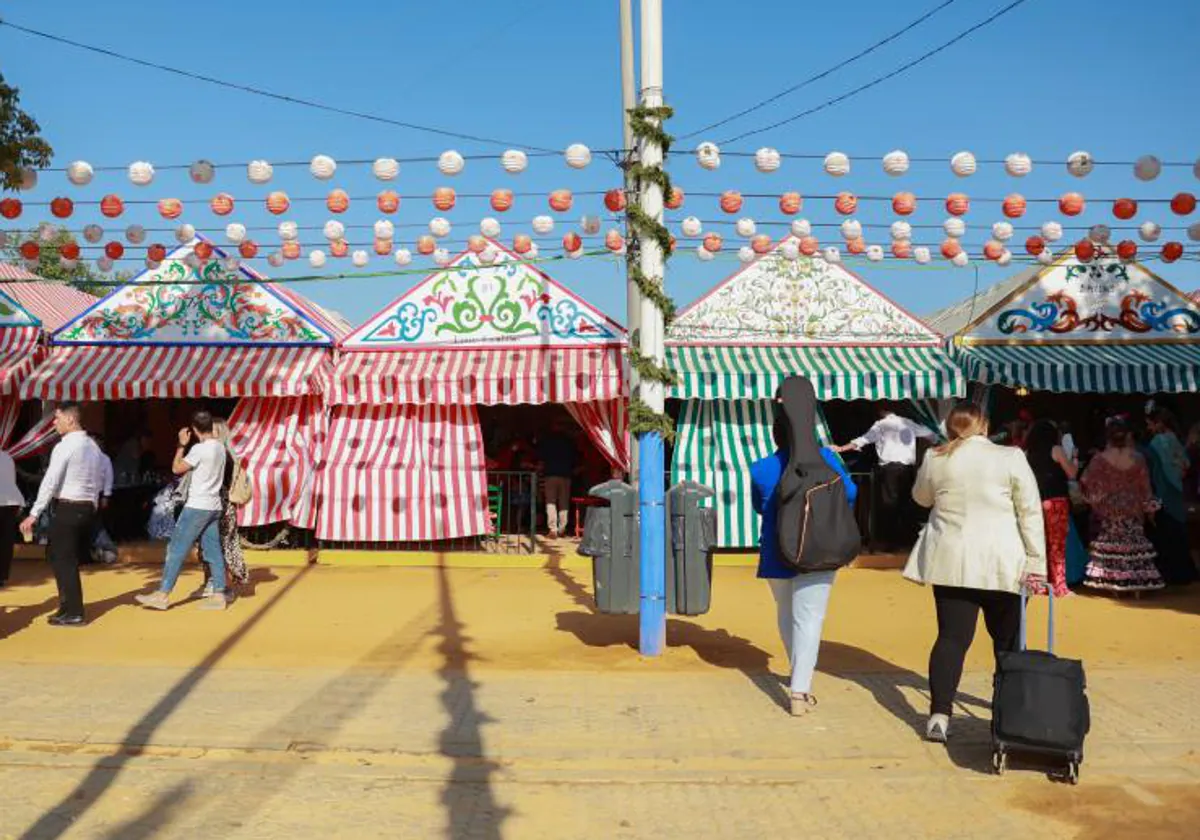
[
  {"x": 507, "y": 303},
  {"x": 775, "y": 300},
  {"x": 1102, "y": 300},
  {"x": 178, "y": 304},
  {"x": 12, "y": 314}
]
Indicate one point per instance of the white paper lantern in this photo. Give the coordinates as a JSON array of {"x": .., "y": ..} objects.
[
  {"x": 543, "y": 225},
  {"x": 334, "y": 230},
  {"x": 4, "y": 239},
  {"x": 746, "y": 254},
  {"x": 1150, "y": 231},
  {"x": 801, "y": 228},
  {"x": 441, "y": 256},
  {"x": 875, "y": 253},
  {"x": 450, "y": 162},
  {"x": 576, "y": 254},
  {"x": 322, "y": 167},
  {"x": 316, "y": 258},
  {"x": 954, "y": 227},
  {"x": 67, "y": 264},
  {"x": 289, "y": 231},
  {"x": 141, "y": 173},
  {"x": 1193, "y": 231},
  {"x": 1080, "y": 164},
  {"x": 1052, "y": 231},
  {"x": 1018, "y": 165},
  {"x": 32, "y": 265},
  {"x": 104, "y": 264},
  {"x": 901, "y": 230},
  {"x": 202, "y": 172},
  {"x": 191, "y": 261},
  {"x": 746, "y": 227},
  {"x": 895, "y": 163},
  {"x": 790, "y": 249},
  {"x": 232, "y": 262},
  {"x": 403, "y": 256},
  {"x": 29, "y": 180},
  {"x": 259, "y": 172},
  {"x": 384, "y": 229},
  {"x": 578, "y": 156},
  {"x": 921, "y": 255},
  {"x": 1147, "y": 168},
  {"x": 1002, "y": 231},
  {"x": 1100, "y": 233},
  {"x": 439, "y": 226},
  {"x": 152, "y": 265},
  {"x": 767, "y": 159},
  {"x": 489, "y": 254},
  {"x": 532, "y": 253},
  {"x": 235, "y": 232},
  {"x": 691, "y": 227},
  {"x": 185, "y": 233},
  {"x": 963, "y": 164},
  {"x": 1045, "y": 257},
  {"x": 93, "y": 234},
  {"x": 851, "y": 229},
  {"x": 708, "y": 155},
  {"x": 960, "y": 259},
  {"x": 1196, "y": 168},
  {"x": 386, "y": 169},
  {"x": 360, "y": 259},
  {"x": 47, "y": 231},
  {"x": 704, "y": 254},
  {"x": 80, "y": 173},
  {"x": 136, "y": 234},
  {"x": 275, "y": 259},
  {"x": 832, "y": 255},
  {"x": 490, "y": 227},
  {"x": 1005, "y": 257},
  {"x": 590, "y": 225},
  {"x": 837, "y": 165},
  {"x": 514, "y": 161}
]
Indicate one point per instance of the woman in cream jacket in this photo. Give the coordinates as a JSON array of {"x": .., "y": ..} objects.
[{"x": 984, "y": 538}]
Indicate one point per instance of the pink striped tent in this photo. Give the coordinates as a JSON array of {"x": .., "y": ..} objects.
[
  {"x": 20, "y": 341},
  {"x": 406, "y": 457},
  {"x": 219, "y": 332}
]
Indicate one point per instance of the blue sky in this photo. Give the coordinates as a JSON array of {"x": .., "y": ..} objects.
[{"x": 1050, "y": 77}]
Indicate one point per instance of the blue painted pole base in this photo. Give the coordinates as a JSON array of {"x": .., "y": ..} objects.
[{"x": 652, "y": 629}]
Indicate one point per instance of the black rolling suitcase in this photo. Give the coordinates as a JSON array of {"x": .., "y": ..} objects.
[{"x": 1039, "y": 704}]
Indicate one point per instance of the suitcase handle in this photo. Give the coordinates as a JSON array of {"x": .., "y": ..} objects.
[{"x": 1049, "y": 622}]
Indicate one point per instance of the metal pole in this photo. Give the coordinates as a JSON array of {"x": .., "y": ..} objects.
[
  {"x": 653, "y": 627},
  {"x": 633, "y": 300}
]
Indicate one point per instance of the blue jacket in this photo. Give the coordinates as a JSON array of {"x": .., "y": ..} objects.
[{"x": 764, "y": 482}]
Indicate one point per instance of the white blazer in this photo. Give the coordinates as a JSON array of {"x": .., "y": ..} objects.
[{"x": 985, "y": 530}]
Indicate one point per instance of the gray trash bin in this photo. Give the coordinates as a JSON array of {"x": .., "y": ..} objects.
[
  {"x": 691, "y": 538},
  {"x": 610, "y": 538}
]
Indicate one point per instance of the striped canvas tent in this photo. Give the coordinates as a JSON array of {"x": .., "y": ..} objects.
[
  {"x": 407, "y": 460},
  {"x": 205, "y": 329},
  {"x": 20, "y": 340},
  {"x": 772, "y": 319}
]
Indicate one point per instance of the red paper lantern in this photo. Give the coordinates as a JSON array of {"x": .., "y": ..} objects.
[
  {"x": 951, "y": 248},
  {"x": 1014, "y": 206},
  {"x": 62, "y": 208},
  {"x": 290, "y": 249},
  {"x": 1183, "y": 204},
  {"x": 614, "y": 241},
  {"x": 204, "y": 250},
  {"x": 248, "y": 249},
  {"x": 731, "y": 201},
  {"x": 522, "y": 244},
  {"x": 426, "y": 245},
  {"x": 901, "y": 248},
  {"x": 712, "y": 243},
  {"x": 387, "y": 201},
  {"x": 614, "y": 200},
  {"x": 1034, "y": 245},
  {"x": 904, "y": 203},
  {"x": 278, "y": 203},
  {"x": 790, "y": 203},
  {"x": 69, "y": 250},
  {"x": 1127, "y": 249},
  {"x": 1172, "y": 251},
  {"x": 502, "y": 200},
  {"x": 845, "y": 203},
  {"x": 1085, "y": 250},
  {"x": 671, "y": 244},
  {"x": 337, "y": 201},
  {"x": 809, "y": 246},
  {"x": 1071, "y": 204},
  {"x": 957, "y": 204},
  {"x": 339, "y": 247},
  {"x": 114, "y": 250},
  {"x": 675, "y": 199},
  {"x": 1125, "y": 208},
  {"x": 170, "y": 208},
  {"x": 10, "y": 208},
  {"x": 761, "y": 243},
  {"x": 444, "y": 199},
  {"x": 572, "y": 242},
  {"x": 561, "y": 201},
  {"x": 857, "y": 245},
  {"x": 993, "y": 249},
  {"x": 112, "y": 206},
  {"x": 30, "y": 250},
  {"x": 383, "y": 247},
  {"x": 222, "y": 204},
  {"x": 156, "y": 253}
]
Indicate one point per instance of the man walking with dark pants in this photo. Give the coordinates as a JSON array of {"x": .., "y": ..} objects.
[{"x": 70, "y": 488}]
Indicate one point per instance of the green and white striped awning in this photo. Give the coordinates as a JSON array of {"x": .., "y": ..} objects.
[
  {"x": 1099, "y": 368},
  {"x": 734, "y": 372}
]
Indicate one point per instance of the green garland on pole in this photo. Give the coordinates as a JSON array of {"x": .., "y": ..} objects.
[{"x": 646, "y": 124}]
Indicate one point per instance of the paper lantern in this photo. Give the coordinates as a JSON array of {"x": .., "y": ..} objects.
[
  {"x": 489, "y": 254},
  {"x": 1125, "y": 208},
  {"x": 79, "y": 173},
  {"x": 426, "y": 245},
  {"x": 1046, "y": 258},
  {"x": 746, "y": 227},
  {"x": 248, "y": 248},
  {"x": 316, "y": 258},
  {"x": 1005, "y": 257},
  {"x": 514, "y": 161},
  {"x": 439, "y": 226},
  {"x": 1014, "y": 206},
  {"x": 203, "y": 250},
  {"x": 62, "y": 207},
  {"x": 322, "y": 167},
  {"x": 69, "y": 265},
  {"x": 1100, "y": 233},
  {"x": 789, "y": 249},
  {"x": 809, "y": 246},
  {"x": 104, "y": 264},
  {"x": 170, "y": 208},
  {"x": 387, "y": 201},
  {"x": 111, "y": 205},
  {"x": 47, "y": 231},
  {"x": 291, "y": 249},
  {"x": 29, "y": 180},
  {"x": 851, "y": 229},
  {"x": 278, "y": 203},
  {"x": 845, "y": 203},
  {"x": 731, "y": 201},
  {"x": 957, "y": 204},
  {"x": 902, "y": 248},
  {"x": 1002, "y": 231},
  {"x": 340, "y": 248},
  {"x": 1052, "y": 231},
  {"x": 222, "y": 204},
  {"x": 334, "y": 229},
  {"x": 895, "y": 163},
  {"x": 1085, "y": 249},
  {"x": 403, "y": 256},
  {"x": 1018, "y": 165},
  {"x": 1080, "y": 164},
  {"x": 30, "y": 250},
  {"x": 921, "y": 255},
  {"x": 522, "y": 243},
  {"x": 590, "y": 225},
  {"x": 614, "y": 241},
  {"x": 185, "y": 233},
  {"x": 259, "y": 172},
  {"x": 954, "y": 227},
  {"x": 385, "y": 169},
  {"x": 832, "y": 255},
  {"x": 383, "y": 247},
  {"x": 10, "y": 208},
  {"x": 1127, "y": 249},
  {"x": 1071, "y": 204},
  {"x": 561, "y": 201},
  {"x": 614, "y": 200},
  {"x": 801, "y": 228},
  {"x": 93, "y": 233},
  {"x": 856, "y": 246},
  {"x": 992, "y": 249},
  {"x": 489, "y": 227},
  {"x": 904, "y": 203},
  {"x": 70, "y": 250},
  {"x": 746, "y": 254},
  {"x": 1147, "y": 168},
  {"x": 543, "y": 225},
  {"x": 963, "y": 164},
  {"x": 704, "y": 255},
  {"x": 532, "y": 253},
  {"x": 135, "y": 234},
  {"x": 901, "y": 230},
  {"x": 1196, "y": 168},
  {"x": 337, "y": 201},
  {"x": 1183, "y": 204},
  {"x": 156, "y": 253},
  {"x": 950, "y": 247},
  {"x": 837, "y": 164},
  {"x": 761, "y": 243},
  {"x": 289, "y": 231},
  {"x": 384, "y": 230},
  {"x": 578, "y": 156},
  {"x": 1193, "y": 231},
  {"x": 235, "y": 232},
  {"x": 571, "y": 241},
  {"x": 712, "y": 242},
  {"x": 790, "y": 203},
  {"x": 1172, "y": 251},
  {"x": 441, "y": 256},
  {"x": 202, "y": 172},
  {"x": 275, "y": 259},
  {"x": 141, "y": 173},
  {"x": 232, "y": 263},
  {"x": 708, "y": 155},
  {"x": 444, "y": 198},
  {"x": 450, "y": 162},
  {"x": 691, "y": 227},
  {"x": 767, "y": 159},
  {"x": 114, "y": 250},
  {"x": 360, "y": 259},
  {"x": 960, "y": 260},
  {"x": 674, "y": 199},
  {"x": 1150, "y": 231}
]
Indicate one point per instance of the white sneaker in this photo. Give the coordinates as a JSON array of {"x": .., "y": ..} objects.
[
  {"x": 938, "y": 729},
  {"x": 205, "y": 591}
]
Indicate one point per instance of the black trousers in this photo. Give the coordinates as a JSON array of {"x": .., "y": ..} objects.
[
  {"x": 895, "y": 518},
  {"x": 957, "y": 614},
  {"x": 8, "y": 534},
  {"x": 71, "y": 527}
]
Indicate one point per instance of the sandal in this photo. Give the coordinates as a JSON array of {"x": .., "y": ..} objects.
[{"x": 802, "y": 704}]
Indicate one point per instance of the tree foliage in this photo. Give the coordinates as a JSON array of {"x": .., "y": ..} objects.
[
  {"x": 21, "y": 146},
  {"x": 83, "y": 275}
]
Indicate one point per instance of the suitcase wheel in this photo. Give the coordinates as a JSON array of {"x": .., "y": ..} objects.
[
  {"x": 999, "y": 761},
  {"x": 1073, "y": 772}
]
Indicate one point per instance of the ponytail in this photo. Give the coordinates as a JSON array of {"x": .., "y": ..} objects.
[{"x": 966, "y": 420}]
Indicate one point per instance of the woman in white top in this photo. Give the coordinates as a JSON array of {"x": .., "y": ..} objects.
[
  {"x": 984, "y": 539},
  {"x": 11, "y": 502}
]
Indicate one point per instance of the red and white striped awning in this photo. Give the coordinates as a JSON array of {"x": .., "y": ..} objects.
[
  {"x": 479, "y": 376},
  {"x": 110, "y": 372},
  {"x": 18, "y": 355}
]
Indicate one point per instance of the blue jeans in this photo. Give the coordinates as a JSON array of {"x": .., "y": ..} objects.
[
  {"x": 800, "y": 602},
  {"x": 194, "y": 525}
]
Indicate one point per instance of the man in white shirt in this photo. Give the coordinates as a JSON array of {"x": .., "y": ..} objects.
[
  {"x": 72, "y": 484},
  {"x": 11, "y": 501},
  {"x": 895, "y": 442},
  {"x": 200, "y": 519}
]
